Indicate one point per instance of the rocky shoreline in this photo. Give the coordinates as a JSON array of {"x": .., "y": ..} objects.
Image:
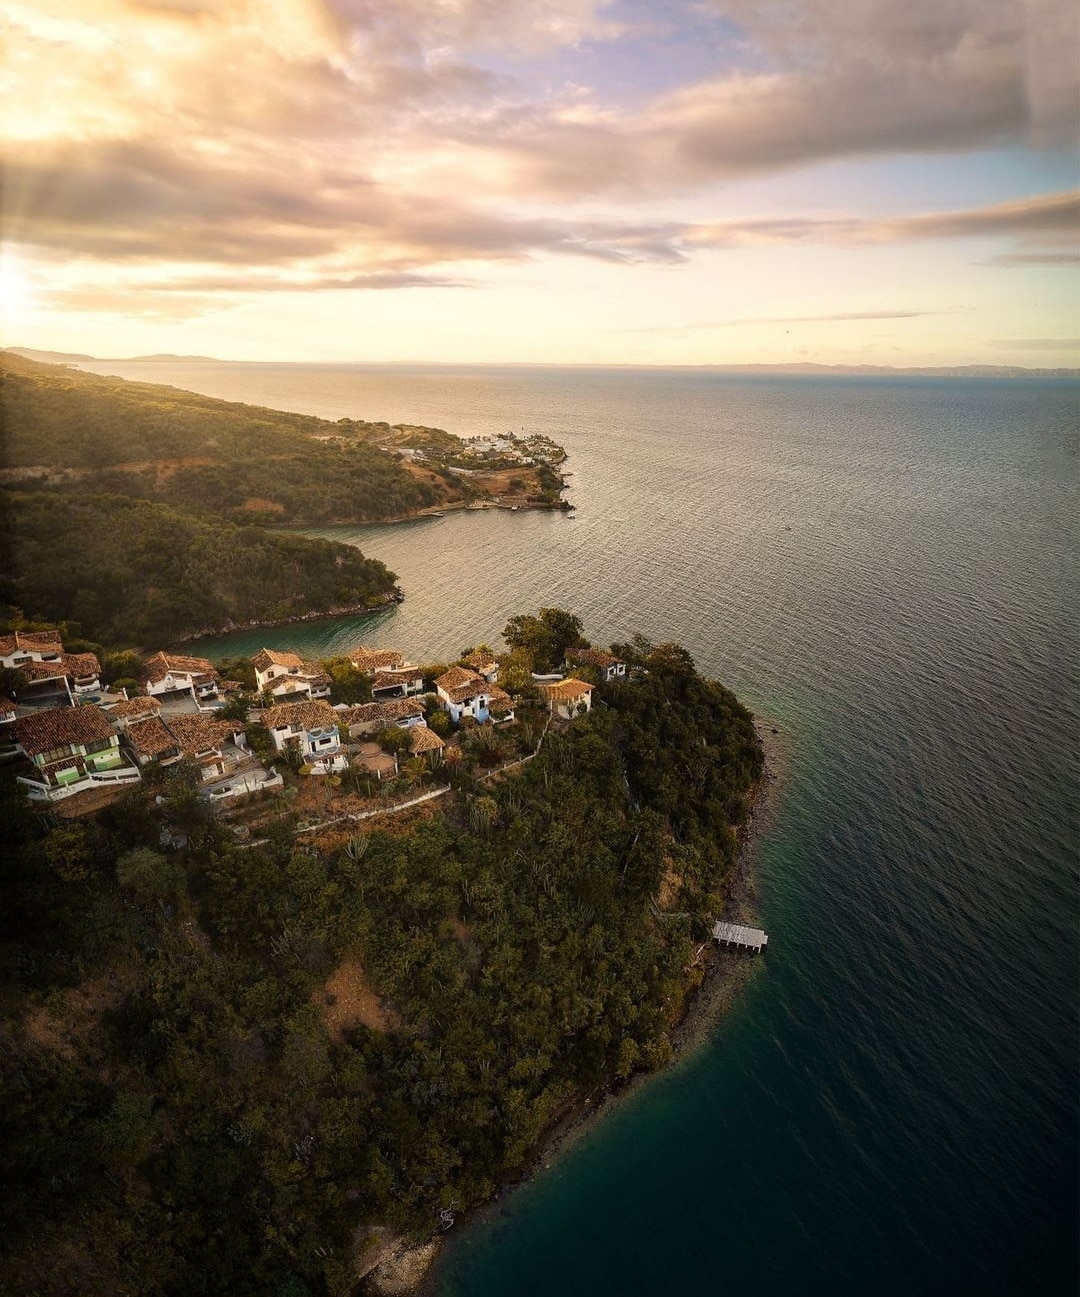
[
  {"x": 265, "y": 623},
  {"x": 410, "y": 1270}
]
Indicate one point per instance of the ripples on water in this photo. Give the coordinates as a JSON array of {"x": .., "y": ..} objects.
[{"x": 887, "y": 567}]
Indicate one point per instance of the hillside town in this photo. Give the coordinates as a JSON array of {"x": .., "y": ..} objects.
[{"x": 79, "y": 742}]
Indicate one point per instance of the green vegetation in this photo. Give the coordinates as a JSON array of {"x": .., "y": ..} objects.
[
  {"x": 190, "y": 1107},
  {"x": 128, "y": 570},
  {"x": 544, "y": 639},
  {"x": 215, "y": 459},
  {"x": 137, "y": 511}
]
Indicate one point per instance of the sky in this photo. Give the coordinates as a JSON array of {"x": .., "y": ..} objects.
[{"x": 643, "y": 182}]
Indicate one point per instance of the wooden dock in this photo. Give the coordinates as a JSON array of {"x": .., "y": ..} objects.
[{"x": 734, "y": 934}]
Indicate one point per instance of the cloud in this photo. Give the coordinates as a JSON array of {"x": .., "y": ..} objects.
[
  {"x": 1040, "y": 344},
  {"x": 1047, "y": 216},
  {"x": 365, "y": 144},
  {"x": 1062, "y": 258}
]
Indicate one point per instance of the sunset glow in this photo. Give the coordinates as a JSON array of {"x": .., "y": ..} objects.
[{"x": 614, "y": 181}]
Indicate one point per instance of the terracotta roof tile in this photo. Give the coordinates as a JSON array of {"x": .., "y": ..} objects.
[
  {"x": 313, "y": 714},
  {"x": 421, "y": 739},
  {"x": 195, "y": 734},
  {"x": 566, "y": 691},
  {"x": 134, "y": 708},
  {"x": 40, "y": 641},
  {"x": 56, "y": 727},
  {"x": 369, "y": 660},
  {"x": 266, "y": 658},
  {"x": 150, "y": 738},
  {"x": 158, "y": 667}
]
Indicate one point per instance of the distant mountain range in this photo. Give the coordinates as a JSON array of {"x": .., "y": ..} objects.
[
  {"x": 925, "y": 371},
  {"x": 73, "y": 357}
]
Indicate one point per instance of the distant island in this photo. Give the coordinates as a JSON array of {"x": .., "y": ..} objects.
[
  {"x": 808, "y": 368},
  {"x": 173, "y": 505},
  {"x": 307, "y": 960}
]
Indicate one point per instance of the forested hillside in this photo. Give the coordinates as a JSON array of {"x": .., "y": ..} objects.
[
  {"x": 218, "y": 459},
  {"x": 128, "y": 571},
  {"x": 185, "y": 1112}
]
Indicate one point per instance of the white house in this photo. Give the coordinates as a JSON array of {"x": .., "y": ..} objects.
[
  {"x": 567, "y": 698},
  {"x": 368, "y": 718},
  {"x": 368, "y": 661},
  {"x": 397, "y": 682},
  {"x": 607, "y": 664},
  {"x": 215, "y": 745},
  {"x": 30, "y": 646},
  {"x": 312, "y": 729},
  {"x": 285, "y": 675},
  {"x": 463, "y": 692},
  {"x": 484, "y": 663},
  {"x": 78, "y": 675},
  {"x": 70, "y": 749},
  {"x": 167, "y": 673}
]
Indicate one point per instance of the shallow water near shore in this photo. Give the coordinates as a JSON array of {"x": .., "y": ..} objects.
[{"x": 887, "y": 566}]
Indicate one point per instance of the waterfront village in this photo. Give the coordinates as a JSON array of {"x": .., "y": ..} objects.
[{"x": 279, "y": 738}]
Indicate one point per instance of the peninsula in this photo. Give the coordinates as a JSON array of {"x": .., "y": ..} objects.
[
  {"x": 306, "y": 959},
  {"x": 174, "y": 505}
]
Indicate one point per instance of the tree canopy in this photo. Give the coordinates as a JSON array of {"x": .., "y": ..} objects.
[{"x": 224, "y": 1121}]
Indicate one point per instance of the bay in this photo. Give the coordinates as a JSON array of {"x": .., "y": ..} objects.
[{"x": 887, "y": 568}]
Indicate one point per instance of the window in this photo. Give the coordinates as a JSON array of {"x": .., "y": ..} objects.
[
  {"x": 53, "y": 754},
  {"x": 99, "y": 746}
]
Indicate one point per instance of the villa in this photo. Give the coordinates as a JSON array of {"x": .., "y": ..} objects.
[
  {"x": 170, "y": 673},
  {"x": 397, "y": 682},
  {"x": 215, "y": 745},
  {"x": 464, "y": 692},
  {"x": 367, "y": 718},
  {"x": 368, "y": 661},
  {"x": 71, "y": 749},
  {"x": 483, "y": 663},
  {"x": 30, "y": 646},
  {"x": 286, "y": 676},
  {"x": 148, "y": 739},
  {"x": 607, "y": 664},
  {"x": 567, "y": 698},
  {"x": 312, "y": 729},
  {"x": 132, "y": 710},
  {"x": 78, "y": 675}
]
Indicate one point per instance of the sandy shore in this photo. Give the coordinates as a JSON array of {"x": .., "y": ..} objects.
[{"x": 726, "y": 974}]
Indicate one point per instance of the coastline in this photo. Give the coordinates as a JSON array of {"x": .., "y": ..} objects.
[
  {"x": 266, "y": 623},
  {"x": 412, "y": 1270}
]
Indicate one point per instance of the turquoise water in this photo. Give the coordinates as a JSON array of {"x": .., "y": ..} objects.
[{"x": 888, "y": 568}]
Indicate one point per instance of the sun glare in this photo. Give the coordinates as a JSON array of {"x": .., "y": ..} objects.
[{"x": 15, "y": 289}]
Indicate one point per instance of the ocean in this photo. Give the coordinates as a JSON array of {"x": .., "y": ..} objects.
[{"x": 886, "y": 569}]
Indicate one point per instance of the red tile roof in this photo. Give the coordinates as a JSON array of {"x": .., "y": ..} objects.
[
  {"x": 39, "y": 641},
  {"x": 316, "y": 714},
  {"x": 158, "y": 667},
  {"x": 566, "y": 691},
  {"x": 459, "y": 684},
  {"x": 267, "y": 658},
  {"x": 150, "y": 738},
  {"x": 57, "y": 727},
  {"x": 421, "y": 739},
  {"x": 369, "y": 660},
  {"x": 133, "y": 708},
  {"x": 195, "y": 734}
]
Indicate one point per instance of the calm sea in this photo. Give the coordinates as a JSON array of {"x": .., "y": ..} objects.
[{"x": 888, "y": 569}]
